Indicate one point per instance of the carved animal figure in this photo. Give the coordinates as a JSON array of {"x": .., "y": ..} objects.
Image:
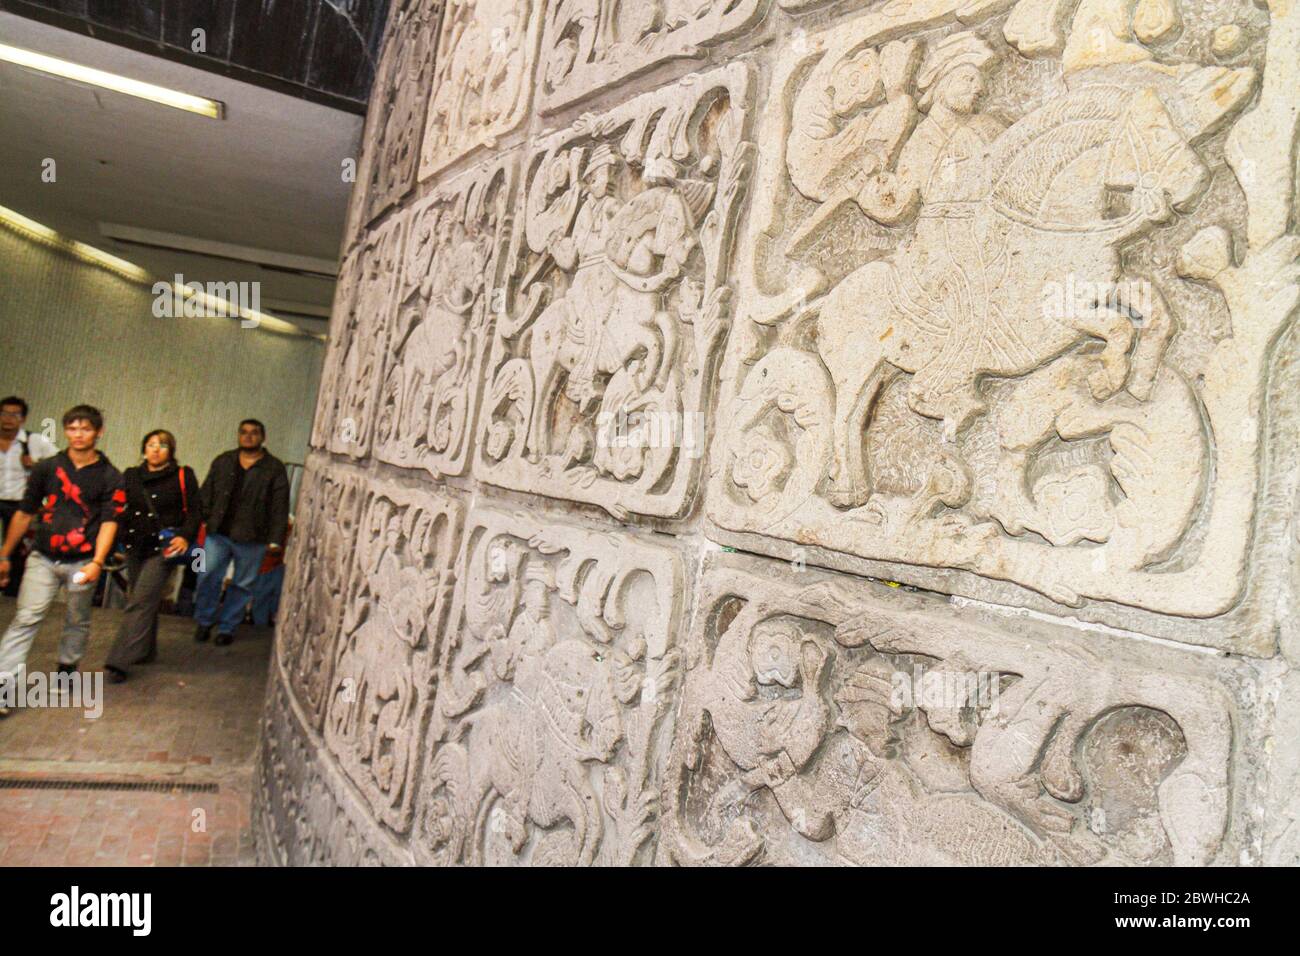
[
  {"x": 964, "y": 296},
  {"x": 1024, "y": 758},
  {"x": 530, "y": 753},
  {"x": 612, "y": 312}
]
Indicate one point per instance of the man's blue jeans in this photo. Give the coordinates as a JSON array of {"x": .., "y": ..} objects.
[{"x": 218, "y": 552}]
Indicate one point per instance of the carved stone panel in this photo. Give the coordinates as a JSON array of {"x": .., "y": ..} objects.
[
  {"x": 618, "y": 300},
  {"x": 354, "y": 357},
  {"x": 394, "y": 612},
  {"x": 303, "y": 815},
  {"x": 330, "y": 502},
  {"x": 557, "y": 689},
  {"x": 398, "y": 102},
  {"x": 440, "y": 330},
  {"x": 591, "y": 45},
  {"x": 1010, "y": 294},
  {"x": 482, "y": 78},
  {"x": 828, "y": 720}
]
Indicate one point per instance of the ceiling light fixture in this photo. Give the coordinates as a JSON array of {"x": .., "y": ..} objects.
[
  {"x": 111, "y": 81},
  {"x": 213, "y": 305},
  {"x": 78, "y": 250}
]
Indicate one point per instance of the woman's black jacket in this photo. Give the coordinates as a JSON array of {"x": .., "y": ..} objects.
[{"x": 162, "y": 489}]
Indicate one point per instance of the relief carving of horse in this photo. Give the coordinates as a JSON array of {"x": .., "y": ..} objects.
[{"x": 1060, "y": 192}]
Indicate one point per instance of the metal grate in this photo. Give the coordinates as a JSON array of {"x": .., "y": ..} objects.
[{"x": 71, "y": 783}]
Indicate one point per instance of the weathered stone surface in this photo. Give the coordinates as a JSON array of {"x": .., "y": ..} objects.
[
  {"x": 993, "y": 298},
  {"x": 618, "y": 304},
  {"x": 398, "y": 105},
  {"x": 439, "y": 332},
  {"x": 994, "y": 317},
  {"x": 482, "y": 77},
  {"x": 330, "y": 506},
  {"x": 395, "y": 607},
  {"x": 556, "y": 696},
  {"x": 826, "y": 720},
  {"x": 305, "y": 814},
  {"x": 354, "y": 359},
  {"x": 592, "y": 45}
]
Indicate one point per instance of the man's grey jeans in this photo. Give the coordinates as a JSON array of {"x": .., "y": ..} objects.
[{"x": 40, "y": 587}]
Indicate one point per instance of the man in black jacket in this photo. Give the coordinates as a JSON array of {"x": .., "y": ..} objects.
[{"x": 246, "y": 500}]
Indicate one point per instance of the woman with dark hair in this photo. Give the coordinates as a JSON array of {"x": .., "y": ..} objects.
[{"x": 162, "y": 516}]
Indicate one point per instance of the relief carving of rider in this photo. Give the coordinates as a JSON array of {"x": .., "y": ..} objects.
[
  {"x": 594, "y": 284},
  {"x": 945, "y": 279}
]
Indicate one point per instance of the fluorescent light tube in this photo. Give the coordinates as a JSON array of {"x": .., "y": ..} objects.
[{"x": 111, "y": 81}]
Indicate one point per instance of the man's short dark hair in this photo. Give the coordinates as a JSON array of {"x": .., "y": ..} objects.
[
  {"x": 84, "y": 413},
  {"x": 14, "y": 400},
  {"x": 253, "y": 421}
]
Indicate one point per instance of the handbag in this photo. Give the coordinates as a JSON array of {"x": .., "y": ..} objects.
[{"x": 166, "y": 534}]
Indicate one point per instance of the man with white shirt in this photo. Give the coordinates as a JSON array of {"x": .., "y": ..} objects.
[{"x": 19, "y": 451}]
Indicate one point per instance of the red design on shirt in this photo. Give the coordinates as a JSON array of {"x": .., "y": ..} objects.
[
  {"x": 70, "y": 491},
  {"x": 119, "y": 502}
]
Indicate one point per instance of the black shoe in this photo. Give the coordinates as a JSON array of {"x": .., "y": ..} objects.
[
  {"x": 115, "y": 676},
  {"x": 202, "y": 632},
  {"x": 67, "y": 668},
  {"x": 223, "y": 639}
]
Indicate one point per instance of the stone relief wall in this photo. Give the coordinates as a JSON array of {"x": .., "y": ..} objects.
[{"x": 806, "y": 432}]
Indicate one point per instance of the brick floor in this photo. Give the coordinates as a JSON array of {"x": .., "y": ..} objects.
[{"x": 191, "y": 716}]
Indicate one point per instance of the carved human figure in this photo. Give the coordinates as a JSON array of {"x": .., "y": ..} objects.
[
  {"x": 532, "y": 634},
  {"x": 765, "y": 698},
  {"x": 612, "y": 312},
  {"x": 949, "y": 307},
  {"x": 528, "y": 756}
]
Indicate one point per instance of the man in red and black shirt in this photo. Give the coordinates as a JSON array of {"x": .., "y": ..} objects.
[{"x": 75, "y": 499}]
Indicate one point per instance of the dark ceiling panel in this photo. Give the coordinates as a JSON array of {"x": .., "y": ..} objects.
[
  {"x": 214, "y": 17},
  {"x": 342, "y": 58},
  {"x": 141, "y": 17},
  {"x": 274, "y": 36},
  {"x": 323, "y": 50}
]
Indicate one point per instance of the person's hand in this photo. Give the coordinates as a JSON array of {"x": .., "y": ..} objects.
[
  {"x": 4, "y": 572},
  {"x": 177, "y": 546},
  {"x": 90, "y": 573}
]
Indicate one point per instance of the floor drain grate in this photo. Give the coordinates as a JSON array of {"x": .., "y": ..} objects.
[{"x": 147, "y": 786}]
